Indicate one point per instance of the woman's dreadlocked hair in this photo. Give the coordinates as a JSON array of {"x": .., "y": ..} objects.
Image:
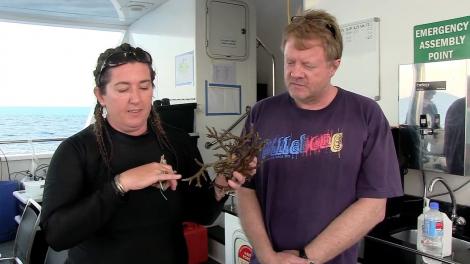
[{"x": 113, "y": 57}]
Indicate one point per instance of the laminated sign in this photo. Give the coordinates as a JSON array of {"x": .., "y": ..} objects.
[{"x": 442, "y": 41}]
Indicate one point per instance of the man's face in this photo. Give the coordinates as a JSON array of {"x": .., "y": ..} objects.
[
  {"x": 128, "y": 98},
  {"x": 307, "y": 72}
]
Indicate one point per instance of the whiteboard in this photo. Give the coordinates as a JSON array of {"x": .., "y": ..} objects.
[{"x": 359, "y": 71}]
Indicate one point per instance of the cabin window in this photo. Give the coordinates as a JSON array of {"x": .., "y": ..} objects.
[{"x": 46, "y": 83}]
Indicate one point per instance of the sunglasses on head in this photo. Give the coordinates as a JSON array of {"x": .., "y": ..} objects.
[
  {"x": 122, "y": 57},
  {"x": 299, "y": 19}
]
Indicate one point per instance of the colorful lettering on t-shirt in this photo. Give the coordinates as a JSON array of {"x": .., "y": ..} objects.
[{"x": 291, "y": 147}]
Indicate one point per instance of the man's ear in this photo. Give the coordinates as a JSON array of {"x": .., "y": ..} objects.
[{"x": 334, "y": 66}]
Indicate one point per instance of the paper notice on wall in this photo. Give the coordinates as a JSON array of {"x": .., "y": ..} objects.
[
  {"x": 184, "y": 69},
  {"x": 224, "y": 73},
  {"x": 223, "y": 99}
]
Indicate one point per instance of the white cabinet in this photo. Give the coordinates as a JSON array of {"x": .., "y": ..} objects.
[
  {"x": 237, "y": 248},
  {"x": 227, "y": 29}
]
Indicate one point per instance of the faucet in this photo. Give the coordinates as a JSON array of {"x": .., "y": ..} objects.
[{"x": 458, "y": 220}]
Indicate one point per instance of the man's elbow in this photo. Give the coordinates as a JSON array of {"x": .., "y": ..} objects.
[
  {"x": 380, "y": 210},
  {"x": 374, "y": 209},
  {"x": 381, "y": 215}
]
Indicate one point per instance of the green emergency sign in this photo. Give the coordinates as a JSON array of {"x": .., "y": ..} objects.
[{"x": 443, "y": 40}]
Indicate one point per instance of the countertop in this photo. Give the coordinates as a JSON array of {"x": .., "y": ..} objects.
[
  {"x": 23, "y": 196},
  {"x": 402, "y": 214}
]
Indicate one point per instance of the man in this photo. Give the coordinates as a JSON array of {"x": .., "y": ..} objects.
[{"x": 329, "y": 162}]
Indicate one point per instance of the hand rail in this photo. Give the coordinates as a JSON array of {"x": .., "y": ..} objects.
[
  {"x": 273, "y": 61},
  {"x": 30, "y": 140}
]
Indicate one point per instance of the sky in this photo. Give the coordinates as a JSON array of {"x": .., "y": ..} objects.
[{"x": 50, "y": 66}]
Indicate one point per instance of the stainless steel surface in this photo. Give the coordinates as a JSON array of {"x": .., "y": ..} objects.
[
  {"x": 432, "y": 103},
  {"x": 451, "y": 193},
  {"x": 456, "y": 220},
  {"x": 460, "y": 221},
  {"x": 232, "y": 205},
  {"x": 409, "y": 236}
]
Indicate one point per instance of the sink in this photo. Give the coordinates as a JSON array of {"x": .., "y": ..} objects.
[{"x": 409, "y": 236}]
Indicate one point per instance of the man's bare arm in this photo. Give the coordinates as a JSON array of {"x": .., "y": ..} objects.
[{"x": 347, "y": 229}]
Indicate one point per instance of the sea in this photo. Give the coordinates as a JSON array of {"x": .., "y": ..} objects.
[{"x": 33, "y": 123}]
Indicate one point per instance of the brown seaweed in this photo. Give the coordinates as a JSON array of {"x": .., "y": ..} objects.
[{"x": 235, "y": 154}]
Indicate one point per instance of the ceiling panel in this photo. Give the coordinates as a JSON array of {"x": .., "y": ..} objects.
[{"x": 111, "y": 12}]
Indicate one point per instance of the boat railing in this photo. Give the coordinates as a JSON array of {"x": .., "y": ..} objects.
[{"x": 16, "y": 141}]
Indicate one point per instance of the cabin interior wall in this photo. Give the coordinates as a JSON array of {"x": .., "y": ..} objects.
[{"x": 166, "y": 33}]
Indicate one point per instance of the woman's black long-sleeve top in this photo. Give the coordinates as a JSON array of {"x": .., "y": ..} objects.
[{"x": 82, "y": 211}]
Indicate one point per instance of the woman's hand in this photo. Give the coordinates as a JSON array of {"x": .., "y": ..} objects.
[{"x": 149, "y": 174}]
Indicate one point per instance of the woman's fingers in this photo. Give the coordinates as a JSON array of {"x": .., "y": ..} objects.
[
  {"x": 167, "y": 180},
  {"x": 173, "y": 184},
  {"x": 163, "y": 168},
  {"x": 167, "y": 177}
]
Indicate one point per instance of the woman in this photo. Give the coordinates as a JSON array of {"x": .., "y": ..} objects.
[{"x": 106, "y": 196}]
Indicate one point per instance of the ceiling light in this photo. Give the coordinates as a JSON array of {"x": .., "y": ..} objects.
[{"x": 137, "y": 6}]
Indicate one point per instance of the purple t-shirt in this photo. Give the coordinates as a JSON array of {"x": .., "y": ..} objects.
[{"x": 318, "y": 162}]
